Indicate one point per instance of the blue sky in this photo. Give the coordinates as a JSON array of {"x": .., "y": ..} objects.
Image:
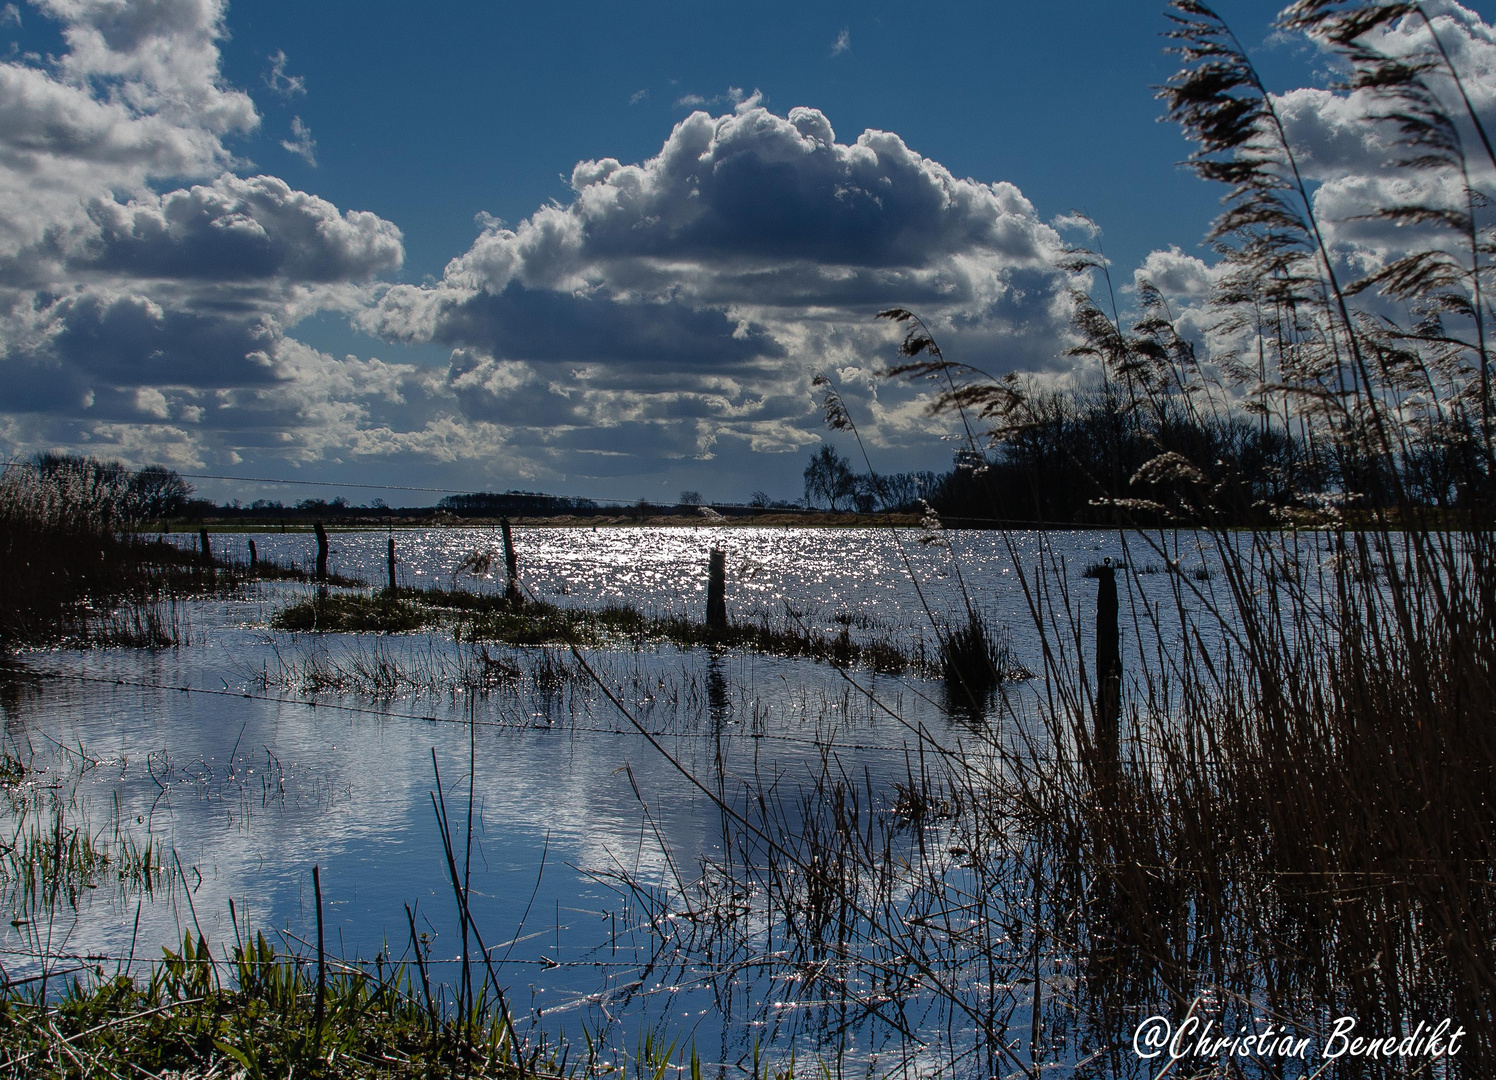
[{"x": 592, "y": 250}]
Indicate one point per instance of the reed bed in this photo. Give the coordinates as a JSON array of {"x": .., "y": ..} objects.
[
  {"x": 76, "y": 571},
  {"x": 1292, "y": 821}
]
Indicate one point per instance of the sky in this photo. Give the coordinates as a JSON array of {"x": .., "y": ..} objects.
[{"x": 596, "y": 250}]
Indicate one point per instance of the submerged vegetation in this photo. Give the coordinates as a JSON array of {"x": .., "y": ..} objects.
[{"x": 969, "y": 652}]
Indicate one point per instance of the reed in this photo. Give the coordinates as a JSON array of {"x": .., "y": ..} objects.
[
  {"x": 1297, "y": 824},
  {"x": 72, "y": 568},
  {"x": 1301, "y": 824}
]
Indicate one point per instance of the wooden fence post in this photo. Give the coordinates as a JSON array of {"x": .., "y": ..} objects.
[
  {"x": 254, "y": 556},
  {"x": 204, "y": 550},
  {"x": 1108, "y": 666},
  {"x": 318, "y": 1010},
  {"x": 511, "y": 560},
  {"x": 716, "y": 590},
  {"x": 321, "y": 552},
  {"x": 390, "y": 563}
]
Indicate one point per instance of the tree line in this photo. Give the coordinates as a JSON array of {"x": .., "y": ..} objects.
[{"x": 1093, "y": 457}]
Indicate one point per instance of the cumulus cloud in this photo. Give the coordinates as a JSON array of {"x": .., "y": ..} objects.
[
  {"x": 133, "y": 317},
  {"x": 685, "y": 302},
  {"x": 756, "y": 210},
  {"x": 1347, "y": 149},
  {"x": 1176, "y": 274},
  {"x": 137, "y": 95},
  {"x": 234, "y": 229}
]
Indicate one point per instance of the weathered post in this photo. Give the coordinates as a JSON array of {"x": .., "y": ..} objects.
[
  {"x": 1108, "y": 666},
  {"x": 254, "y": 556},
  {"x": 318, "y": 1009},
  {"x": 204, "y": 549},
  {"x": 716, "y": 590},
  {"x": 321, "y": 552},
  {"x": 390, "y": 564},
  {"x": 511, "y": 560}
]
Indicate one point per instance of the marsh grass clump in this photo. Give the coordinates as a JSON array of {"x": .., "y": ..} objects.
[
  {"x": 12, "y": 769},
  {"x": 378, "y": 670},
  {"x": 974, "y": 662},
  {"x": 43, "y": 866},
  {"x": 792, "y": 638},
  {"x": 533, "y": 624},
  {"x": 351, "y": 614},
  {"x": 257, "y": 1013},
  {"x": 477, "y": 618},
  {"x": 147, "y": 623}
]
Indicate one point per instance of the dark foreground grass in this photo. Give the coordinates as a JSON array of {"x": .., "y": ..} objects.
[{"x": 186, "y": 1020}]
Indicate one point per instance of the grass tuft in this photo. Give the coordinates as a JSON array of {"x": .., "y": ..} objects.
[{"x": 261, "y": 1023}]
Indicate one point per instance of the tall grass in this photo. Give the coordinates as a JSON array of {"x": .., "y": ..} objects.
[
  {"x": 1301, "y": 820},
  {"x": 1298, "y": 824},
  {"x": 57, "y": 545},
  {"x": 69, "y": 565},
  {"x": 73, "y": 568}
]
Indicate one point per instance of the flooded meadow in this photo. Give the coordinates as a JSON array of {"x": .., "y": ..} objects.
[{"x": 729, "y": 853}]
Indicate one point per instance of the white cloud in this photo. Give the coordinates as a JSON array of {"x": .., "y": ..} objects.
[
  {"x": 287, "y": 86},
  {"x": 1176, "y": 274},
  {"x": 163, "y": 57},
  {"x": 843, "y": 42},
  {"x": 254, "y": 228},
  {"x": 154, "y": 324},
  {"x": 683, "y": 303},
  {"x": 152, "y": 402},
  {"x": 734, "y": 97},
  {"x": 301, "y": 142}
]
